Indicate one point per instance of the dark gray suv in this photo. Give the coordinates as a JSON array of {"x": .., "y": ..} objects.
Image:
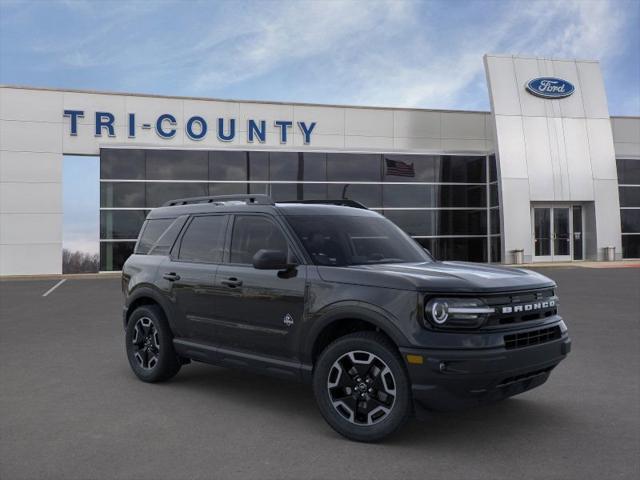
[{"x": 334, "y": 294}]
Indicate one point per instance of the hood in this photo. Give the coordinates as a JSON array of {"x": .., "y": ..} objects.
[{"x": 451, "y": 277}]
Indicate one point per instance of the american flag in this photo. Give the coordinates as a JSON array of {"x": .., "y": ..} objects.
[{"x": 399, "y": 168}]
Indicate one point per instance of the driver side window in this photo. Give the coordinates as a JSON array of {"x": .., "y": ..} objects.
[{"x": 252, "y": 233}]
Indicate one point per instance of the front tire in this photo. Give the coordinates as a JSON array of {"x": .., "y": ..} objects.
[
  {"x": 362, "y": 387},
  {"x": 149, "y": 343}
]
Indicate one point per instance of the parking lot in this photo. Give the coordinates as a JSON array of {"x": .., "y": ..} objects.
[{"x": 70, "y": 407}]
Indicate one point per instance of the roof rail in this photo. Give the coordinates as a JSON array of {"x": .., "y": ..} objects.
[
  {"x": 221, "y": 199},
  {"x": 345, "y": 202}
]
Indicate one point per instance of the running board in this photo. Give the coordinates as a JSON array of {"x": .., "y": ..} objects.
[{"x": 223, "y": 357}]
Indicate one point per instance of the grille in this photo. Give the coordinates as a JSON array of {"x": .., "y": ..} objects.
[
  {"x": 516, "y": 299},
  {"x": 534, "y": 337}
]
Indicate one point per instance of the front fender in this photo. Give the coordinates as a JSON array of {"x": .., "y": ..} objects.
[{"x": 355, "y": 310}]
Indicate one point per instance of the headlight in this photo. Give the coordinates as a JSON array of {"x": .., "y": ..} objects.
[{"x": 457, "y": 312}]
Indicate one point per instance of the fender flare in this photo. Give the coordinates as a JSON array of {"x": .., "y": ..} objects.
[
  {"x": 366, "y": 312},
  {"x": 147, "y": 291}
]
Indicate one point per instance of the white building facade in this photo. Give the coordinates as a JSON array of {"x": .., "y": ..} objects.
[{"x": 546, "y": 172}]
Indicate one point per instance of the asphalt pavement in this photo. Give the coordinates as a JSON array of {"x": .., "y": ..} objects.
[{"x": 70, "y": 407}]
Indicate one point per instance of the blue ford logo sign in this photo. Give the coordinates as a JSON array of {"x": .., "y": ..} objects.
[{"x": 550, "y": 87}]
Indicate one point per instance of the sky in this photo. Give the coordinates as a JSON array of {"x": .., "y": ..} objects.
[{"x": 385, "y": 53}]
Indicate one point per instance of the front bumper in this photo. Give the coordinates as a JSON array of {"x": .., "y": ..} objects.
[{"x": 452, "y": 379}]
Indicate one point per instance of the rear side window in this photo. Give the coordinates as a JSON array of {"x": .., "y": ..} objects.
[
  {"x": 163, "y": 245},
  {"x": 203, "y": 240},
  {"x": 252, "y": 233},
  {"x": 151, "y": 232}
]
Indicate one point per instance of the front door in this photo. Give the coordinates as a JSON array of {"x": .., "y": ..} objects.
[
  {"x": 557, "y": 233},
  {"x": 257, "y": 311}
]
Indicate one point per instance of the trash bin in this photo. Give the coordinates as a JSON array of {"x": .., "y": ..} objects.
[
  {"x": 518, "y": 257},
  {"x": 609, "y": 253}
]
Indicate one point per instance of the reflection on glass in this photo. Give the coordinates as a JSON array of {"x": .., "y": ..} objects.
[
  {"x": 368, "y": 195},
  {"x": 160, "y": 193},
  {"x": 177, "y": 165},
  {"x": 577, "y": 232},
  {"x": 122, "y": 195},
  {"x": 114, "y": 254},
  {"x": 354, "y": 167},
  {"x": 561, "y": 234},
  {"x": 542, "y": 228},
  {"x": 122, "y": 164},
  {"x": 121, "y": 223}
]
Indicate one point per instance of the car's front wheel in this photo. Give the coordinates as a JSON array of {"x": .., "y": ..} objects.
[
  {"x": 362, "y": 387},
  {"x": 150, "y": 345}
]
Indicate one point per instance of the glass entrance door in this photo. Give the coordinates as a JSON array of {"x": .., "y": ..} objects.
[
  {"x": 557, "y": 233},
  {"x": 561, "y": 234}
]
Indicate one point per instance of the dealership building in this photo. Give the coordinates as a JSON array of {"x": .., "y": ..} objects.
[{"x": 546, "y": 175}]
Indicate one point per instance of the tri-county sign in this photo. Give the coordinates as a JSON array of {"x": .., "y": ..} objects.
[
  {"x": 196, "y": 127},
  {"x": 550, "y": 87}
]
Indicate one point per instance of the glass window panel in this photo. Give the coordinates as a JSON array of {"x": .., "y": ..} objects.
[
  {"x": 122, "y": 195},
  {"x": 226, "y": 165},
  {"x": 203, "y": 241},
  {"x": 411, "y": 168},
  {"x": 630, "y": 221},
  {"x": 629, "y": 196},
  {"x": 399, "y": 196},
  {"x": 283, "y": 192},
  {"x": 177, "y": 165},
  {"x": 230, "y": 188},
  {"x": 408, "y": 195},
  {"x": 164, "y": 244},
  {"x": 315, "y": 167},
  {"x": 496, "y": 252},
  {"x": 114, "y": 254},
  {"x": 494, "y": 216},
  {"x": 285, "y": 166},
  {"x": 542, "y": 231},
  {"x": 493, "y": 168},
  {"x": 258, "y": 166},
  {"x": 252, "y": 233},
  {"x": 631, "y": 246},
  {"x": 261, "y": 188},
  {"x": 628, "y": 171},
  {"x": 353, "y": 166},
  {"x": 125, "y": 164},
  {"x": 369, "y": 195},
  {"x": 463, "y": 249},
  {"x": 121, "y": 223},
  {"x": 462, "y": 169},
  {"x": 440, "y": 222},
  {"x": 494, "y": 199},
  {"x": 152, "y": 231},
  {"x": 314, "y": 191},
  {"x": 160, "y": 193}
]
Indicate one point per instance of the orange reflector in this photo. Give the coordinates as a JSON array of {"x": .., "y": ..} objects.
[{"x": 415, "y": 359}]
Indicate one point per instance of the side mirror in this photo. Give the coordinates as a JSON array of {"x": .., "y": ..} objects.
[{"x": 270, "y": 260}]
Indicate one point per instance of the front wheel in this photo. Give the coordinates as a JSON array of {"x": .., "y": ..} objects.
[
  {"x": 362, "y": 387},
  {"x": 150, "y": 345}
]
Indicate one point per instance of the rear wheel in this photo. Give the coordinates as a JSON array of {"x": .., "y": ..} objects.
[
  {"x": 362, "y": 387},
  {"x": 150, "y": 345}
]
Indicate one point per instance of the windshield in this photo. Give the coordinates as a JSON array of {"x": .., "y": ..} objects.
[{"x": 340, "y": 240}]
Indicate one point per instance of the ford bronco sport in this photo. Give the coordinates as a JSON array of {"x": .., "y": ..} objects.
[{"x": 338, "y": 296}]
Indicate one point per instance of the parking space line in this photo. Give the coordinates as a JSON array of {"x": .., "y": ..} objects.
[{"x": 54, "y": 287}]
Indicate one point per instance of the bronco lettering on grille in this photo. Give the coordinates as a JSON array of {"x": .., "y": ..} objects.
[{"x": 528, "y": 307}]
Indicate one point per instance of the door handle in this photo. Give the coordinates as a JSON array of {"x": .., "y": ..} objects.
[
  {"x": 232, "y": 282},
  {"x": 171, "y": 276}
]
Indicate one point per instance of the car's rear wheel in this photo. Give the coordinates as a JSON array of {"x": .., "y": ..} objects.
[
  {"x": 150, "y": 345},
  {"x": 362, "y": 387}
]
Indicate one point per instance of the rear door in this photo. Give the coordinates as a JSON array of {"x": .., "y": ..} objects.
[
  {"x": 258, "y": 310},
  {"x": 189, "y": 274}
]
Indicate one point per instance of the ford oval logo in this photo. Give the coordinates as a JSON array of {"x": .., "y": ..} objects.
[{"x": 550, "y": 87}]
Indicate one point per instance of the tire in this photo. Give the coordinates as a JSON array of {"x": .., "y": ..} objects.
[
  {"x": 371, "y": 402},
  {"x": 149, "y": 344}
]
